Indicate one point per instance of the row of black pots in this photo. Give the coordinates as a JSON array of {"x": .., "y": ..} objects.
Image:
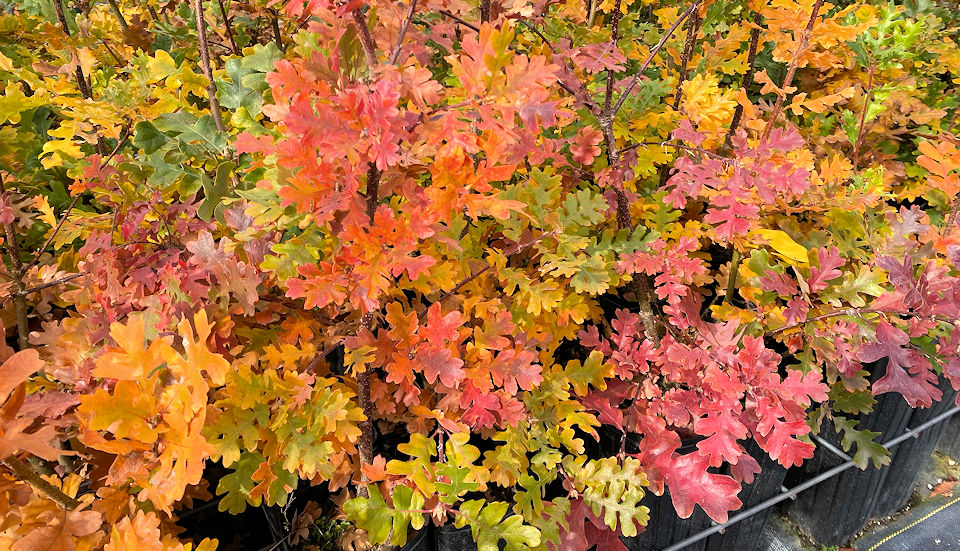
[
  {"x": 830, "y": 512},
  {"x": 835, "y": 510},
  {"x": 666, "y": 528}
]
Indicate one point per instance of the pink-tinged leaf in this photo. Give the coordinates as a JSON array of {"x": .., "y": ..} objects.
[
  {"x": 438, "y": 363},
  {"x": 515, "y": 368},
  {"x": 796, "y": 311},
  {"x": 586, "y": 531},
  {"x": 480, "y": 407},
  {"x": 686, "y": 132},
  {"x": 802, "y": 388},
  {"x": 691, "y": 484},
  {"x": 745, "y": 469},
  {"x": 585, "y": 147},
  {"x": 830, "y": 260},
  {"x": 595, "y": 58},
  {"x": 723, "y": 430},
  {"x": 781, "y": 444},
  {"x": 782, "y": 284},
  {"x": 918, "y": 388},
  {"x": 781, "y": 139}
]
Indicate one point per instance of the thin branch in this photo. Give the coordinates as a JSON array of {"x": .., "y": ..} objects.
[
  {"x": 747, "y": 76},
  {"x": 614, "y": 37},
  {"x": 693, "y": 27},
  {"x": 229, "y": 28},
  {"x": 652, "y": 54},
  {"x": 863, "y": 118},
  {"x": 28, "y": 475},
  {"x": 49, "y": 284},
  {"x": 791, "y": 70},
  {"x": 66, "y": 213},
  {"x": 366, "y": 41},
  {"x": 403, "y": 31},
  {"x": 466, "y": 24},
  {"x": 205, "y": 62},
  {"x": 19, "y": 302},
  {"x": 275, "y": 23},
  {"x": 118, "y": 14}
]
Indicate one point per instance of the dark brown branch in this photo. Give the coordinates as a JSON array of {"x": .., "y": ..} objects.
[
  {"x": 614, "y": 37},
  {"x": 275, "y": 23},
  {"x": 366, "y": 41},
  {"x": 49, "y": 284},
  {"x": 656, "y": 49},
  {"x": 466, "y": 24},
  {"x": 229, "y": 28},
  {"x": 403, "y": 31},
  {"x": 693, "y": 27},
  {"x": 747, "y": 76},
  {"x": 205, "y": 62},
  {"x": 791, "y": 70}
]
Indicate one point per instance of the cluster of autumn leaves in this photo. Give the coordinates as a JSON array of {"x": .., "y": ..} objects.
[{"x": 488, "y": 229}]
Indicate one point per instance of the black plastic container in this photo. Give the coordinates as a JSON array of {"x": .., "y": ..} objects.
[
  {"x": 422, "y": 540},
  {"x": 450, "y": 538},
  {"x": 910, "y": 457},
  {"x": 745, "y": 535},
  {"x": 836, "y": 509},
  {"x": 950, "y": 440},
  {"x": 665, "y": 528}
]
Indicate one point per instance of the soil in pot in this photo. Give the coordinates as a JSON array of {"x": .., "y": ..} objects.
[
  {"x": 909, "y": 458},
  {"x": 836, "y": 509}
]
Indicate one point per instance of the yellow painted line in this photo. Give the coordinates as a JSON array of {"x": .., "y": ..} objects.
[{"x": 914, "y": 523}]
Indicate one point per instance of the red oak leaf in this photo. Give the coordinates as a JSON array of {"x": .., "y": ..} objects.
[
  {"x": 438, "y": 362},
  {"x": 691, "y": 484},
  {"x": 921, "y": 387}
]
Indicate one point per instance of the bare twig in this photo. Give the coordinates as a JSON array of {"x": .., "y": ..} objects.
[
  {"x": 693, "y": 27},
  {"x": 863, "y": 118},
  {"x": 275, "y": 23},
  {"x": 747, "y": 76},
  {"x": 229, "y": 28},
  {"x": 466, "y": 24},
  {"x": 656, "y": 49},
  {"x": 791, "y": 70},
  {"x": 614, "y": 37},
  {"x": 205, "y": 62},
  {"x": 403, "y": 31}
]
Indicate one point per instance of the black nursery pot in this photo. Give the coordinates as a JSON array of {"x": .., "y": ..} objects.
[
  {"x": 910, "y": 457},
  {"x": 665, "y": 528},
  {"x": 836, "y": 509},
  {"x": 745, "y": 535},
  {"x": 950, "y": 440},
  {"x": 450, "y": 538},
  {"x": 420, "y": 541}
]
